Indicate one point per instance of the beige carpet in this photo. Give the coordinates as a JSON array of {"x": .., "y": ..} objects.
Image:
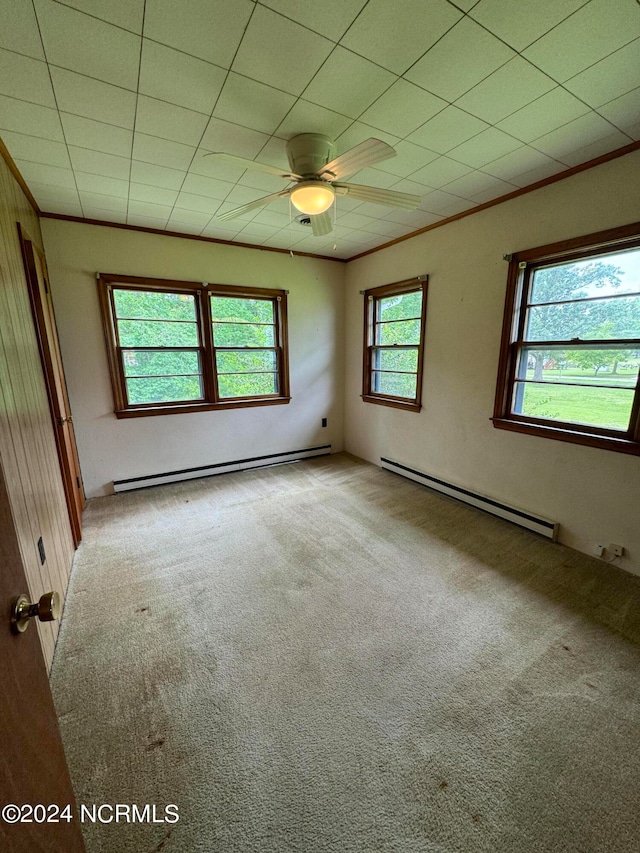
[{"x": 326, "y": 658}]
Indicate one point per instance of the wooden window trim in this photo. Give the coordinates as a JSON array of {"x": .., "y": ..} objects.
[
  {"x": 590, "y": 245},
  {"x": 202, "y": 292},
  {"x": 371, "y": 296}
]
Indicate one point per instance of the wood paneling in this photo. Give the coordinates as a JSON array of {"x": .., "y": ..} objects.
[{"x": 27, "y": 444}]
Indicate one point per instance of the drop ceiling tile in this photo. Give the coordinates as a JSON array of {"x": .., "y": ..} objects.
[
  {"x": 406, "y": 185},
  {"x": 403, "y": 108},
  {"x": 31, "y": 119},
  {"x": 84, "y": 44},
  {"x": 354, "y": 220},
  {"x": 358, "y": 132},
  {"x": 52, "y": 175},
  {"x": 310, "y": 118},
  {"x": 461, "y": 59},
  {"x": 594, "y": 31},
  {"x": 252, "y": 104},
  {"x": 162, "y": 152},
  {"x": 262, "y": 181},
  {"x": 96, "y": 135},
  {"x": 83, "y": 96},
  {"x": 518, "y": 162},
  {"x": 36, "y": 150},
  {"x": 373, "y": 177},
  {"x": 168, "y": 121},
  {"x": 623, "y": 112},
  {"x": 208, "y": 29},
  {"x": 330, "y": 18},
  {"x": 101, "y": 185},
  {"x": 485, "y": 147},
  {"x": 155, "y": 195},
  {"x": 597, "y": 148},
  {"x": 613, "y": 76},
  {"x": 538, "y": 174},
  {"x": 272, "y": 217},
  {"x": 173, "y": 76},
  {"x": 66, "y": 209},
  {"x": 409, "y": 158},
  {"x": 413, "y": 219},
  {"x": 220, "y": 232},
  {"x": 157, "y": 176},
  {"x": 395, "y": 35},
  {"x": 476, "y": 182},
  {"x": 440, "y": 172},
  {"x": 561, "y": 143},
  {"x": 201, "y": 185},
  {"x": 273, "y": 153},
  {"x": 385, "y": 228},
  {"x": 543, "y": 115},
  {"x": 257, "y": 229},
  {"x": 215, "y": 167},
  {"x": 279, "y": 52},
  {"x": 231, "y": 138},
  {"x": 19, "y": 29},
  {"x": 456, "y": 207},
  {"x": 127, "y": 14},
  {"x": 104, "y": 215},
  {"x": 25, "y": 78},
  {"x": 47, "y": 195},
  {"x": 489, "y": 195},
  {"x": 147, "y": 222},
  {"x": 146, "y": 208},
  {"x": 243, "y": 195},
  {"x": 99, "y": 201},
  {"x": 520, "y": 24},
  {"x": 193, "y": 218},
  {"x": 97, "y": 163},
  {"x": 188, "y": 201},
  {"x": 331, "y": 86},
  {"x": 508, "y": 89},
  {"x": 439, "y": 200},
  {"x": 449, "y": 128}
]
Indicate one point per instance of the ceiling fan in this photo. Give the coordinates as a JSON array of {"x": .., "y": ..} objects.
[{"x": 316, "y": 173}]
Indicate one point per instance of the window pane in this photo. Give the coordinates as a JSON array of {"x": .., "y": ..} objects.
[
  {"x": 243, "y": 361},
  {"x": 164, "y": 389},
  {"x": 401, "y": 332},
  {"x": 400, "y": 307},
  {"x": 395, "y": 384},
  {"x": 600, "y": 319},
  {"x": 396, "y": 359},
  {"x": 585, "y": 365},
  {"x": 603, "y": 276},
  {"x": 154, "y": 305},
  {"x": 155, "y": 333},
  {"x": 247, "y": 384},
  {"x": 242, "y": 310},
  {"x": 144, "y": 363},
  {"x": 242, "y": 334},
  {"x": 609, "y": 408}
]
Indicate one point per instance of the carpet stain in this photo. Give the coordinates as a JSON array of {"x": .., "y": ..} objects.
[
  {"x": 142, "y": 610},
  {"x": 162, "y": 845},
  {"x": 155, "y": 744},
  {"x": 476, "y": 818},
  {"x": 443, "y": 785}
]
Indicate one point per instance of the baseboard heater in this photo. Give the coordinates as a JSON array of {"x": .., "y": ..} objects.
[
  {"x": 220, "y": 468},
  {"x": 525, "y": 519}
]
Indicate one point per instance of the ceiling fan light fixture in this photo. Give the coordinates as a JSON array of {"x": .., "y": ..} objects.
[{"x": 312, "y": 197}]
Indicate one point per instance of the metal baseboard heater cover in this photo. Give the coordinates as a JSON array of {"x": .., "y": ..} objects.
[
  {"x": 524, "y": 519},
  {"x": 220, "y": 468}
]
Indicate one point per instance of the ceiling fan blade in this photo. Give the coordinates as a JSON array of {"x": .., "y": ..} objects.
[
  {"x": 365, "y": 154},
  {"x": 378, "y": 195},
  {"x": 321, "y": 224},
  {"x": 253, "y": 164},
  {"x": 259, "y": 202}
]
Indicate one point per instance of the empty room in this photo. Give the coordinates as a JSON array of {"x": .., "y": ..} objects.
[{"x": 320, "y": 426}]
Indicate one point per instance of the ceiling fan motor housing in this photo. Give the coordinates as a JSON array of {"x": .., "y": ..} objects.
[{"x": 309, "y": 152}]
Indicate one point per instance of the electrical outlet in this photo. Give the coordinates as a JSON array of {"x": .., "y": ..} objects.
[
  {"x": 599, "y": 550},
  {"x": 324, "y": 422},
  {"x": 616, "y": 550}
]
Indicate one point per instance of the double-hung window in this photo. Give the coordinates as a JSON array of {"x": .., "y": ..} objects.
[
  {"x": 571, "y": 342},
  {"x": 394, "y": 323},
  {"x": 176, "y": 346}
]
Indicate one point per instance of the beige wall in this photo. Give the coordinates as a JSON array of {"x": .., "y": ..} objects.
[
  {"x": 29, "y": 463},
  {"x": 594, "y": 494},
  {"x": 117, "y": 449}
]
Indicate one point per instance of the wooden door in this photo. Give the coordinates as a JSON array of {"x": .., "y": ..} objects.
[
  {"x": 33, "y": 767},
  {"x": 44, "y": 320}
]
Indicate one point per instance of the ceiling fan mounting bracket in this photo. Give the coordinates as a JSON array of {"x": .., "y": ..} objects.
[{"x": 307, "y": 153}]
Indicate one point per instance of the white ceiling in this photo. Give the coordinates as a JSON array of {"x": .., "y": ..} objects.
[{"x": 109, "y": 106}]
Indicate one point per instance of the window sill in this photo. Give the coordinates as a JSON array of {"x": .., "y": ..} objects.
[
  {"x": 389, "y": 401},
  {"x": 184, "y": 408},
  {"x": 619, "y": 445}
]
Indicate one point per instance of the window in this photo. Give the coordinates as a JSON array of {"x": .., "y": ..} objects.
[
  {"x": 179, "y": 346},
  {"x": 571, "y": 342},
  {"x": 394, "y": 321}
]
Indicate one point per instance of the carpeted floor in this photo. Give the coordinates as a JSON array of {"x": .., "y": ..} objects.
[{"x": 326, "y": 657}]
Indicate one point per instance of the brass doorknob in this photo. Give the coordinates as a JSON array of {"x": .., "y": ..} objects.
[{"x": 47, "y": 609}]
